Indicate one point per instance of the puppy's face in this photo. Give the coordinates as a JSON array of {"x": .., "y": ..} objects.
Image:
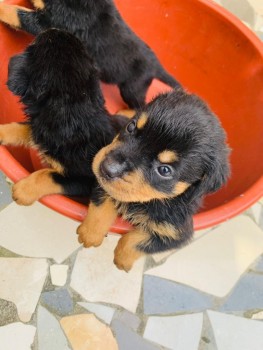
[
  {"x": 174, "y": 144},
  {"x": 55, "y": 64}
]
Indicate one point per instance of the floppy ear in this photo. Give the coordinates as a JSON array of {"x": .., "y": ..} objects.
[
  {"x": 17, "y": 75},
  {"x": 215, "y": 176}
]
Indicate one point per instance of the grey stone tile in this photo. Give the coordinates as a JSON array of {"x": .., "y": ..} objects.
[
  {"x": 128, "y": 318},
  {"x": 175, "y": 332},
  {"x": 58, "y": 301},
  {"x": 258, "y": 266},
  {"x": 165, "y": 297},
  {"x": 8, "y": 313},
  {"x": 104, "y": 313},
  {"x": 5, "y": 192},
  {"x": 236, "y": 333},
  {"x": 247, "y": 295},
  {"x": 49, "y": 333},
  {"x": 129, "y": 340}
]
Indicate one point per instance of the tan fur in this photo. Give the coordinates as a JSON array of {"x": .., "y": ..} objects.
[
  {"x": 15, "y": 134},
  {"x": 38, "y": 4},
  {"x": 168, "y": 157},
  {"x": 180, "y": 188},
  {"x": 164, "y": 229},
  {"x": 100, "y": 156},
  {"x": 35, "y": 186},
  {"x": 126, "y": 253},
  {"x": 129, "y": 113},
  {"x": 131, "y": 188},
  {"x": 54, "y": 164},
  {"x": 8, "y": 14},
  {"x": 97, "y": 223},
  {"x": 142, "y": 121}
]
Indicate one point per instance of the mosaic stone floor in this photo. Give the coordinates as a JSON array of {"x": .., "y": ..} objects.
[{"x": 55, "y": 295}]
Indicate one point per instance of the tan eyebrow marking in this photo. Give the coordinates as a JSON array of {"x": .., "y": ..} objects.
[
  {"x": 142, "y": 121},
  {"x": 168, "y": 156}
]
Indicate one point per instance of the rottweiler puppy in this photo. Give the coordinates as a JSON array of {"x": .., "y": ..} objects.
[
  {"x": 66, "y": 120},
  {"x": 121, "y": 56},
  {"x": 155, "y": 174}
]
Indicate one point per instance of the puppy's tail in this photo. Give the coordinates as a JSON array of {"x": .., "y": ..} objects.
[{"x": 166, "y": 78}]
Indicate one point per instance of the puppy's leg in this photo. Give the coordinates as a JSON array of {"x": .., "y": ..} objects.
[
  {"x": 134, "y": 92},
  {"x": 38, "y": 4},
  {"x": 20, "y": 17},
  {"x": 96, "y": 224},
  {"x": 127, "y": 250},
  {"x": 36, "y": 186},
  {"x": 15, "y": 134}
]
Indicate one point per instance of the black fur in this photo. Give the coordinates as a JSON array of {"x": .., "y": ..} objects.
[
  {"x": 59, "y": 86},
  {"x": 121, "y": 56},
  {"x": 177, "y": 122}
]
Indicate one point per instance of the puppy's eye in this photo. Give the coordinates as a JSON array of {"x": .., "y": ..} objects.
[
  {"x": 164, "y": 170},
  {"x": 131, "y": 127}
]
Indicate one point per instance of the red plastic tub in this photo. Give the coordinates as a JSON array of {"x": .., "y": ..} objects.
[{"x": 214, "y": 55}]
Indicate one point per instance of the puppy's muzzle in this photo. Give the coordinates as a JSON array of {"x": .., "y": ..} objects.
[{"x": 110, "y": 169}]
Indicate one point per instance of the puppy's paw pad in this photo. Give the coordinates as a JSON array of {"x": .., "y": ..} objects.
[
  {"x": 21, "y": 195},
  {"x": 88, "y": 238}
]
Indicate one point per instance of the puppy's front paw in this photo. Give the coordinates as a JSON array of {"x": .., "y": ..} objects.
[
  {"x": 122, "y": 260},
  {"x": 89, "y": 237},
  {"x": 23, "y": 193}
]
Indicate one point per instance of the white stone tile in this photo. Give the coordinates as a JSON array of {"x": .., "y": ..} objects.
[
  {"x": 37, "y": 231},
  {"x": 59, "y": 274},
  {"x": 105, "y": 313},
  {"x": 97, "y": 279},
  {"x": 49, "y": 333},
  {"x": 215, "y": 262},
  {"x": 236, "y": 333},
  {"x": 257, "y": 210},
  {"x": 176, "y": 332},
  {"x": 21, "y": 281},
  {"x": 258, "y": 316},
  {"x": 17, "y": 336},
  {"x": 257, "y": 6}
]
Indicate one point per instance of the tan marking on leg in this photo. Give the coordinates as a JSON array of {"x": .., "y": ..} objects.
[
  {"x": 38, "y": 4},
  {"x": 97, "y": 223},
  {"x": 15, "y": 134},
  {"x": 164, "y": 229},
  {"x": 35, "y": 186},
  {"x": 53, "y": 164},
  {"x": 126, "y": 252},
  {"x": 129, "y": 113},
  {"x": 168, "y": 157},
  {"x": 180, "y": 188},
  {"x": 142, "y": 121},
  {"x": 9, "y": 14}
]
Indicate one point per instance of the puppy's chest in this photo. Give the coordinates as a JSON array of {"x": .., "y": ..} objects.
[{"x": 133, "y": 213}]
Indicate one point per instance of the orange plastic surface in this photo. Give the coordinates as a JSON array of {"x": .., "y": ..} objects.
[{"x": 212, "y": 54}]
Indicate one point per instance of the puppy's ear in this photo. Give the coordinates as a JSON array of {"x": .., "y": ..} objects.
[
  {"x": 17, "y": 75},
  {"x": 215, "y": 176}
]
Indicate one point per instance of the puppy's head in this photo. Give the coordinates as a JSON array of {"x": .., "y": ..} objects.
[
  {"x": 56, "y": 64},
  {"x": 174, "y": 145}
]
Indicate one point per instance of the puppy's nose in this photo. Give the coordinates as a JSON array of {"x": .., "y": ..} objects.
[{"x": 110, "y": 168}]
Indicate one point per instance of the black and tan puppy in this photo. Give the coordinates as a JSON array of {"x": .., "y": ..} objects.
[
  {"x": 121, "y": 56},
  {"x": 155, "y": 174},
  {"x": 65, "y": 116}
]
